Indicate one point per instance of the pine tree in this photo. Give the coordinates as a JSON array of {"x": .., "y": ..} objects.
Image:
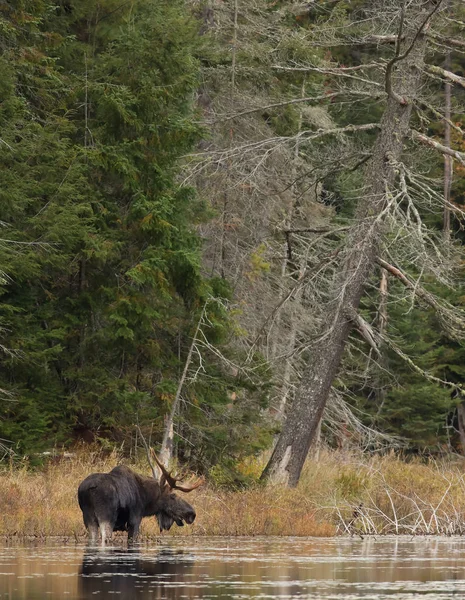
[{"x": 97, "y": 109}]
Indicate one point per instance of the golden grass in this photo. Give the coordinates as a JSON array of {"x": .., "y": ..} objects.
[
  {"x": 340, "y": 493},
  {"x": 386, "y": 495}
]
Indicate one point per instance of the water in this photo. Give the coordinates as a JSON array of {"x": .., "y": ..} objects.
[{"x": 239, "y": 568}]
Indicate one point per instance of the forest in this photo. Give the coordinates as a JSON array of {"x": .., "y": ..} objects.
[{"x": 236, "y": 227}]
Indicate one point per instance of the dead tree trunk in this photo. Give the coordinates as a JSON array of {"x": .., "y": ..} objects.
[
  {"x": 290, "y": 452},
  {"x": 461, "y": 423},
  {"x": 292, "y": 338},
  {"x": 448, "y": 160},
  {"x": 287, "y": 372},
  {"x": 166, "y": 451},
  {"x": 383, "y": 309},
  {"x": 382, "y": 328}
]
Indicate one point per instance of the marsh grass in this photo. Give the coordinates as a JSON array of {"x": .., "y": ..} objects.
[
  {"x": 341, "y": 493},
  {"x": 389, "y": 496}
]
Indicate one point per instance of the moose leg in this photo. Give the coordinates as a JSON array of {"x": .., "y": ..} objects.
[
  {"x": 91, "y": 524},
  {"x": 133, "y": 529},
  {"x": 93, "y": 533},
  {"x": 106, "y": 530},
  {"x": 106, "y": 512}
]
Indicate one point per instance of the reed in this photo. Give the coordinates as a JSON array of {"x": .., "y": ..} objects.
[
  {"x": 342, "y": 493},
  {"x": 389, "y": 496}
]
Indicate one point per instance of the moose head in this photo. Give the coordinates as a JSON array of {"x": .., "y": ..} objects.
[{"x": 172, "y": 508}]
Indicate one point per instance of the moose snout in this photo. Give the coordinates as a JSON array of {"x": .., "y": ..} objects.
[{"x": 190, "y": 517}]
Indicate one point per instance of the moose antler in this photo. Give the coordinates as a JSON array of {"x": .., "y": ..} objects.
[{"x": 172, "y": 481}]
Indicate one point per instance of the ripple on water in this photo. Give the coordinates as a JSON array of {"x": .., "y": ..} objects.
[{"x": 240, "y": 568}]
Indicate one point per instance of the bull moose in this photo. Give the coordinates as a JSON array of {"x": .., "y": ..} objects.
[{"x": 118, "y": 500}]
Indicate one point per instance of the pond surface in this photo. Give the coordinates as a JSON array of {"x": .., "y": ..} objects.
[{"x": 239, "y": 568}]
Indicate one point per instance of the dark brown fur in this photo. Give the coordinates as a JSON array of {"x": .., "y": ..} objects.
[{"x": 118, "y": 501}]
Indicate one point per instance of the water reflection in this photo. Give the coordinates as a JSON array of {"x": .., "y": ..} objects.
[
  {"x": 129, "y": 572},
  {"x": 239, "y": 569}
]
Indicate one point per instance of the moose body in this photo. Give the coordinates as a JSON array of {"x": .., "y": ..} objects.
[{"x": 118, "y": 501}]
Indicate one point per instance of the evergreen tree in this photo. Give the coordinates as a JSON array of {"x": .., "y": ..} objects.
[{"x": 102, "y": 257}]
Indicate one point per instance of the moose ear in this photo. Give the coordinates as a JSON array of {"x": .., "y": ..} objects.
[{"x": 164, "y": 521}]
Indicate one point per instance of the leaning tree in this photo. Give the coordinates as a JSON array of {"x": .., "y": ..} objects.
[
  {"x": 369, "y": 82},
  {"x": 388, "y": 207}
]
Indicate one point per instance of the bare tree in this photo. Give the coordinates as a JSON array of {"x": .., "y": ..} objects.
[
  {"x": 383, "y": 173},
  {"x": 260, "y": 199},
  {"x": 297, "y": 273},
  {"x": 166, "y": 451}
]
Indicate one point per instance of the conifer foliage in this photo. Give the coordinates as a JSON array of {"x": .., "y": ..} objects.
[{"x": 100, "y": 256}]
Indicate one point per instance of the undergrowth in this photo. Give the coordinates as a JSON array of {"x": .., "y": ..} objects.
[{"x": 341, "y": 493}]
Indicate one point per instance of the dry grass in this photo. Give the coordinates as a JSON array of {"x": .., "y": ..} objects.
[
  {"x": 389, "y": 496},
  {"x": 341, "y": 493}
]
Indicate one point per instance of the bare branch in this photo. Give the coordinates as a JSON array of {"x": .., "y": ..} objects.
[
  {"x": 366, "y": 330},
  {"x": 380, "y": 39},
  {"x": 165, "y": 452},
  {"x": 435, "y": 70},
  {"x": 452, "y": 319},
  {"x": 339, "y": 71},
  {"x": 302, "y": 276},
  {"x": 460, "y": 156},
  {"x": 316, "y": 230},
  {"x": 330, "y": 70},
  {"x": 306, "y": 135},
  {"x": 422, "y": 27},
  {"x": 398, "y": 57},
  {"x": 440, "y": 116},
  {"x": 6, "y": 144},
  {"x": 388, "y": 76},
  {"x": 421, "y": 292},
  {"x": 313, "y": 99},
  {"x": 421, "y": 371},
  {"x": 454, "y": 43}
]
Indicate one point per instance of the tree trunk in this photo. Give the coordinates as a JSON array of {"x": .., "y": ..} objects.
[
  {"x": 277, "y": 341},
  {"x": 381, "y": 388},
  {"x": 289, "y": 361},
  {"x": 461, "y": 422},
  {"x": 290, "y": 452},
  {"x": 166, "y": 451},
  {"x": 223, "y": 237},
  {"x": 234, "y": 48},
  {"x": 448, "y": 160},
  {"x": 295, "y": 302},
  {"x": 383, "y": 296}
]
